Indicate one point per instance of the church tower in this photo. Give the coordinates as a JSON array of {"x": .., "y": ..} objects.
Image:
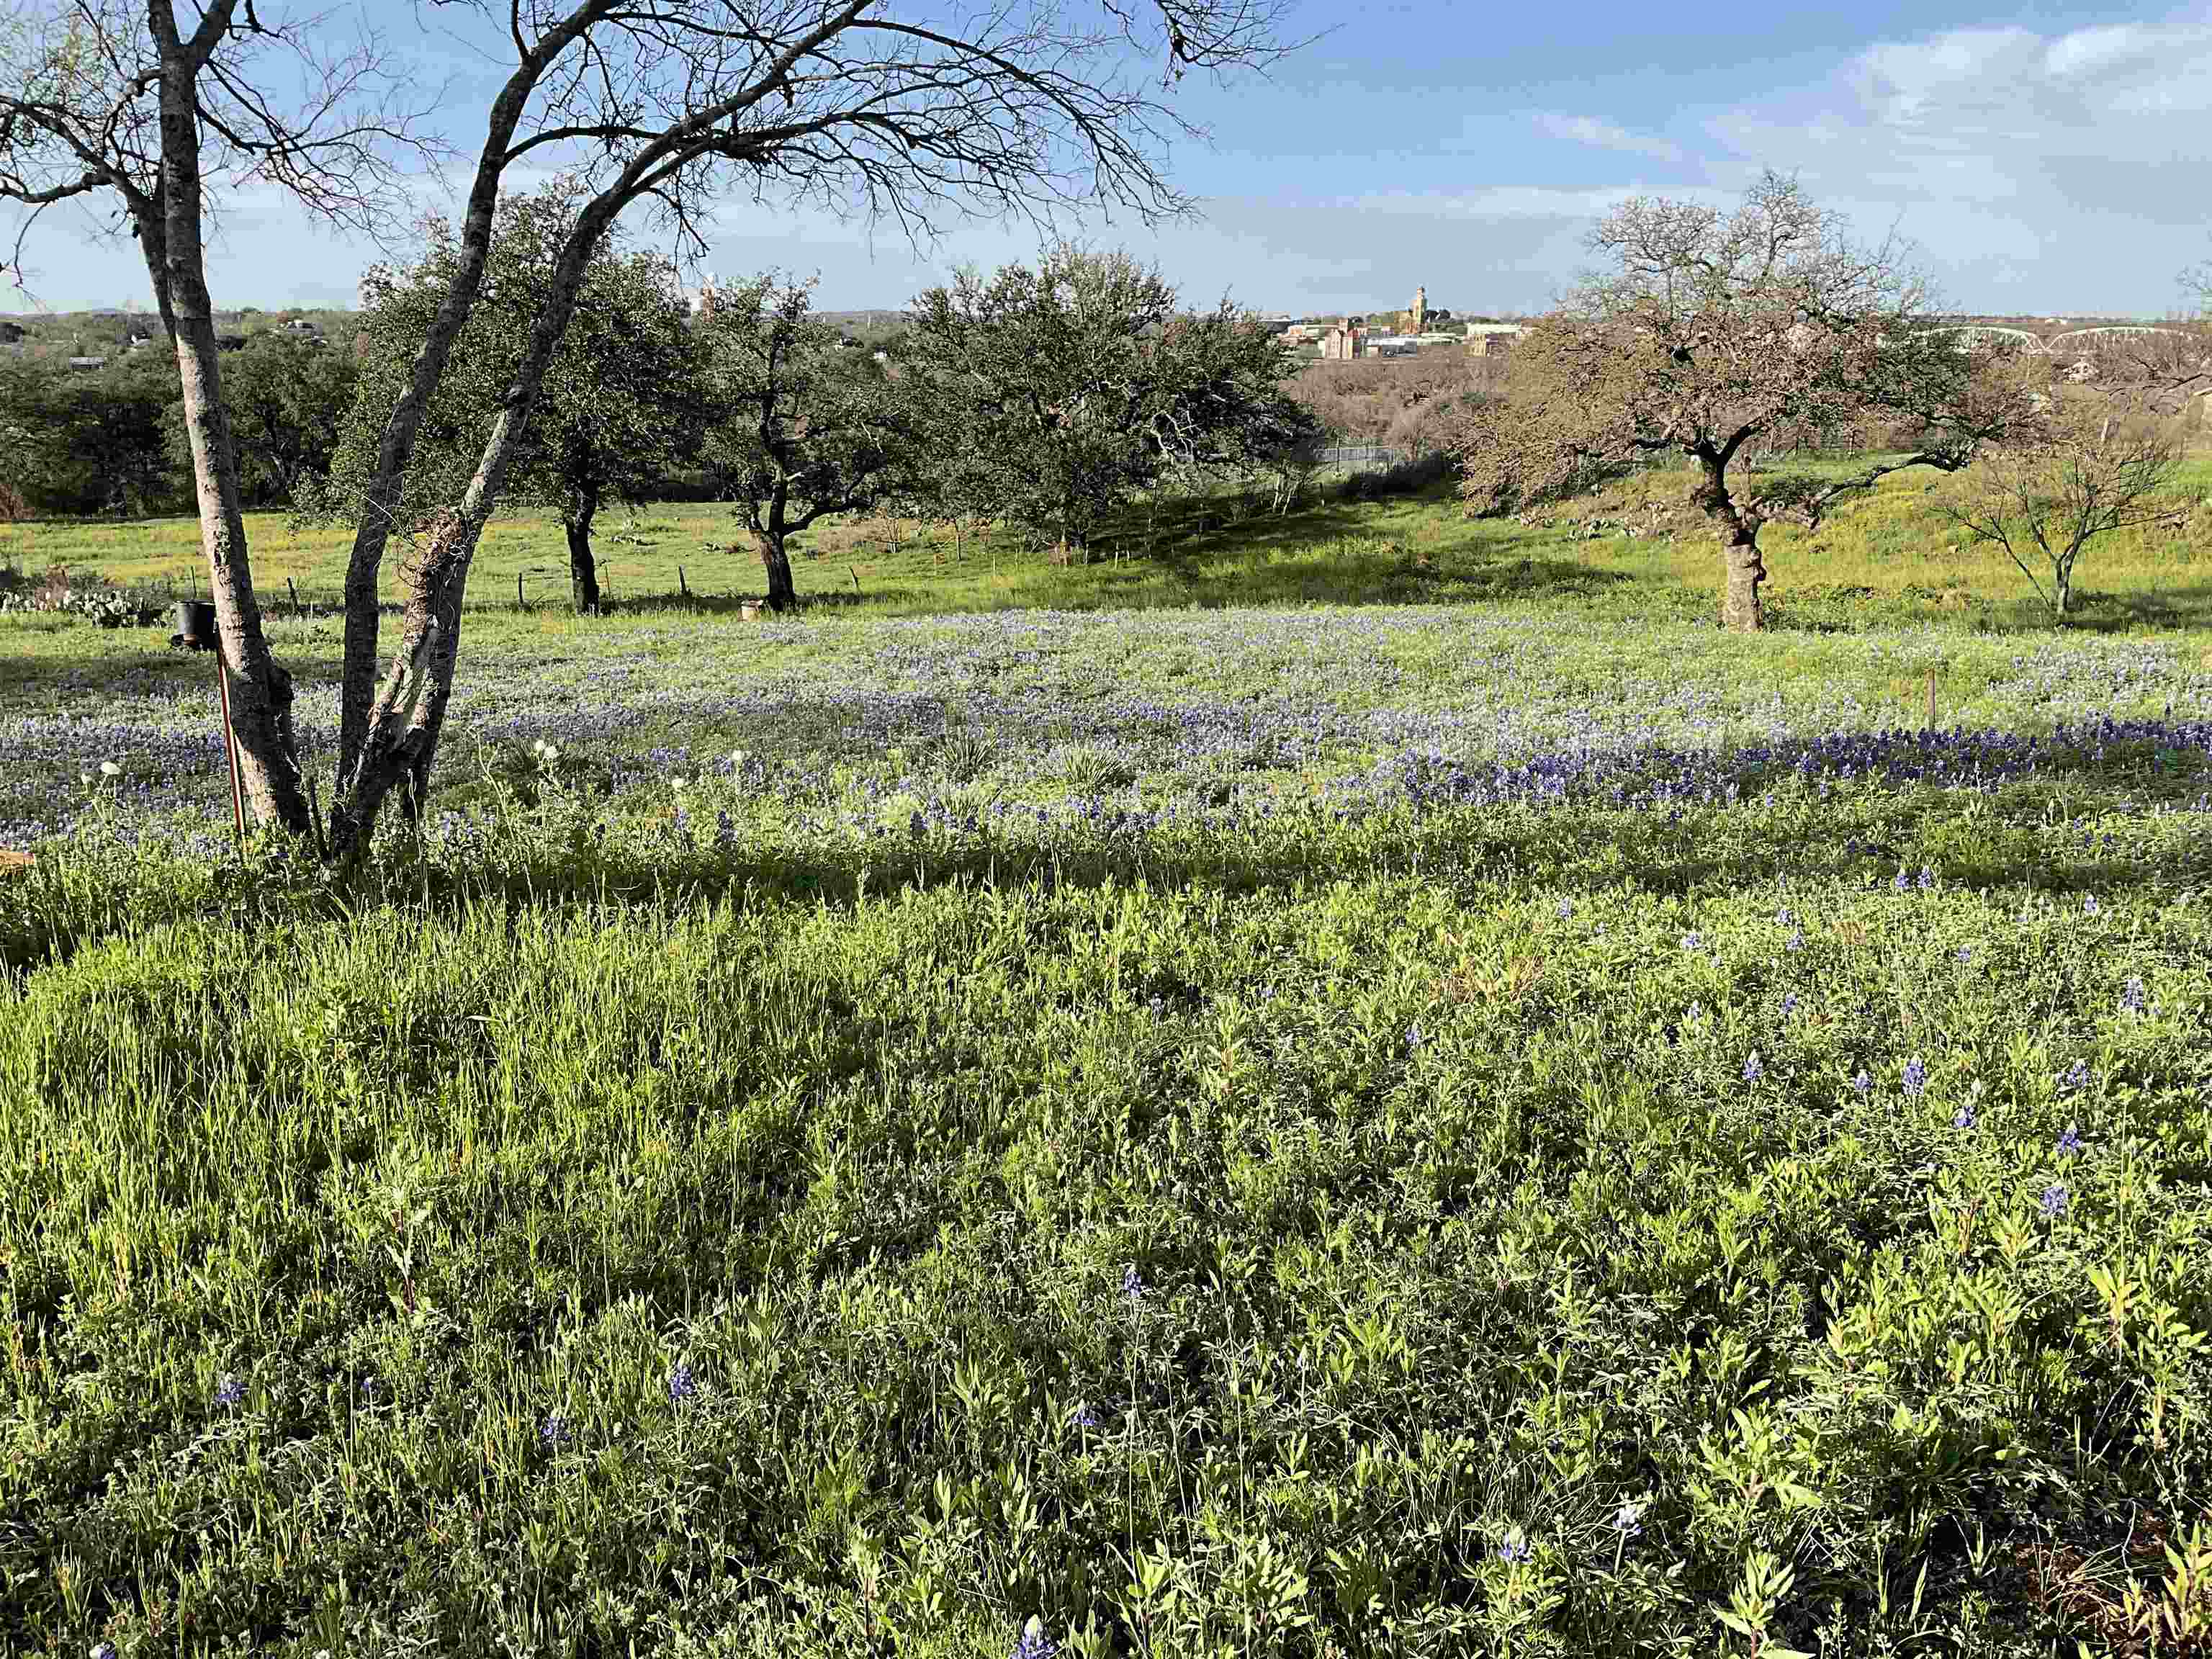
[{"x": 1420, "y": 309}]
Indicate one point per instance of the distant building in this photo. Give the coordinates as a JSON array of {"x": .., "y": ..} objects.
[
  {"x": 1419, "y": 315},
  {"x": 87, "y": 364},
  {"x": 1347, "y": 341}
]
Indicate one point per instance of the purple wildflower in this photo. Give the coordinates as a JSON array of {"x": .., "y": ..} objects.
[
  {"x": 1133, "y": 1283},
  {"x": 1086, "y": 1418},
  {"x": 1795, "y": 941},
  {"x": 1966, "y": 953},
  {"x": 2131, "y": 998},
  {"x": 1927, "y": 879},
  {"x": 1033, "y": 1644},
  {"x": 1863, "y": 1082},
  {"x": 2069, "y": 1144},
  {"x": 1789, "y": 1004},
  {"x": 228, "y": 1390},
  {"x": 681, "y": 1384},
  {"x": 1515, "y": 1549},
  {"x": 555, "y": 1429},
  {"x": 1963, "y": 1118},
  {"x": 1752, "y": 1071},
  {"x": 2075, "y": 1076},
  {"x": 1916, "y": 1075},
  {"x": 1628, "y": 1521},
  {"x": 1693, "y": 941},
  {"x": 2089, "y": 904},
  {"x": 2054, "y": 1201}
]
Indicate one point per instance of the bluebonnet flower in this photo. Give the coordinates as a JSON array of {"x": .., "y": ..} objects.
[
  {"x": 1033, "y": 1644},
  {"x": 1133, "y": 1283},
  {"x": 2075, "y": 1076},
  {"x": 1515, "y": 1549},
  {"x": 1693, "y": 941},
  {"x": 1628, "y": 1520},
  {"x": 2131, "y": 998},
  {"x": 1963, "y": 1118},
  {"x": 555, "y": 1429},
  {"x": 1789, "y": 1004},
  {"x": 1916, "y": 1075},
  {"x": 2089, "y": 904},
  {"x": 681, "y": 1384},
  {"x": 1783, "y": 918},
  {"x": 228, "y": 1390},
  {"x": 371, "y": 1389},
  {"x": 104, "y": 1650},
  {"x": 1863, "y": 1082},
  {"x": 1566, "y": 908},
  {"x": 1966, "y": 953},
  {"x": 2054, "y": 1201},
  {"x": 1795, "y": 941},
  {"x": 1752, "y": 1071},
  {"x": 1927, "y": 879},
  {"x": 1086, "y": 1418},
  {"x": 2070, "y": 1143},
  {"x": 1413, "y": 1035},
  {"x": 1903, "y": 884}
]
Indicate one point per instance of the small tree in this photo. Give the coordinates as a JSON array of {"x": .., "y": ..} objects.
[
  {"x": 1067, "y": 387},
  {"x": 619, "y": 408},
  {"x": 1038, "y": 374},
  {"x": 801, "y": 430},
  {"x": 1711, "y": 331},
  {"x": 2096, "y": 465}
]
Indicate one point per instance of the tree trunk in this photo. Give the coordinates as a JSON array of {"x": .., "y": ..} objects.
[
  {"x": 775, "y": 559},
  {"x": 1740, "y": 609},
  {"x": 260, "y": 690},
  {"x": 583, "y": 570},
  {"x": 408, "y": 715},
  {"x": 395, "y": 447}
]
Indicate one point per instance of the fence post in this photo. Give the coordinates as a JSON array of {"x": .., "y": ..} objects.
[
  {"x": 518, "y": 591},
  {"x": 681, "y": 586},
  {"x": 295, "y": 593}
]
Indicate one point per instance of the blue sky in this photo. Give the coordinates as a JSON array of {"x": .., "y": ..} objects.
[{"x": 2044, "y": 158}]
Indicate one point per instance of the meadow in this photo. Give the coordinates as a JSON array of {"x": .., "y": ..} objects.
[{"x": 1368, "y": 1084}]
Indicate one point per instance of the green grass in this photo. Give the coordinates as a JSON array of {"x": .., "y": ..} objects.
[
  {"x": 1889, "y": 556},
  {"x": 1024, "y": 952}
]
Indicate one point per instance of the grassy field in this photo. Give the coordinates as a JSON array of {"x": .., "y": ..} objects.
[
  {"x": 1478, "y": 1115},
  {"x": 1890, "y": 555}
]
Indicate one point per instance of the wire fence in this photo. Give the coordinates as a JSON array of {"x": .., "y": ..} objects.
[{"x": 1360, "y": 458}]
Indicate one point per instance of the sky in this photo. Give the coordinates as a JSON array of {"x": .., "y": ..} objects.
[{"x": 2042, "y": 159}]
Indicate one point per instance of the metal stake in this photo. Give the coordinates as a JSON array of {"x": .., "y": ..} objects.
[{"x": 230, "y": 749}]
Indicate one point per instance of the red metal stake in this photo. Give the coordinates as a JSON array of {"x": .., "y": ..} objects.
[{"x": 230, "y": 749}]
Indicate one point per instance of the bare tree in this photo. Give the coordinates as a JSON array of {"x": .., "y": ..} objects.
[
  {"x": 123, "y": 99},
  {"x": 1711, "y": 331},
  {"x": 1005, "y": 107},
  {"x": 2097, "y": 465}
]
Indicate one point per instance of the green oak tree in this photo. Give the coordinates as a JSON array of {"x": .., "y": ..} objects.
[{"x": 797, "y": 428}]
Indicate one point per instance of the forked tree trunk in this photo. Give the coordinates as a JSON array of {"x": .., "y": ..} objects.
[
  {"x": 395, "y": 446},
  {"x": 260, "y": 691},
  {"x": 400, "y": 740}
]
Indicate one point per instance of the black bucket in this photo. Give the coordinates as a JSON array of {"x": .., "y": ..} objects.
[{"x": 195, "y": 620}]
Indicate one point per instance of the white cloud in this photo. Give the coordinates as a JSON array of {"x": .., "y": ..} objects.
[
  {"x": 2086, "y": 51},
  {"x": 1603, "y": 134}
]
